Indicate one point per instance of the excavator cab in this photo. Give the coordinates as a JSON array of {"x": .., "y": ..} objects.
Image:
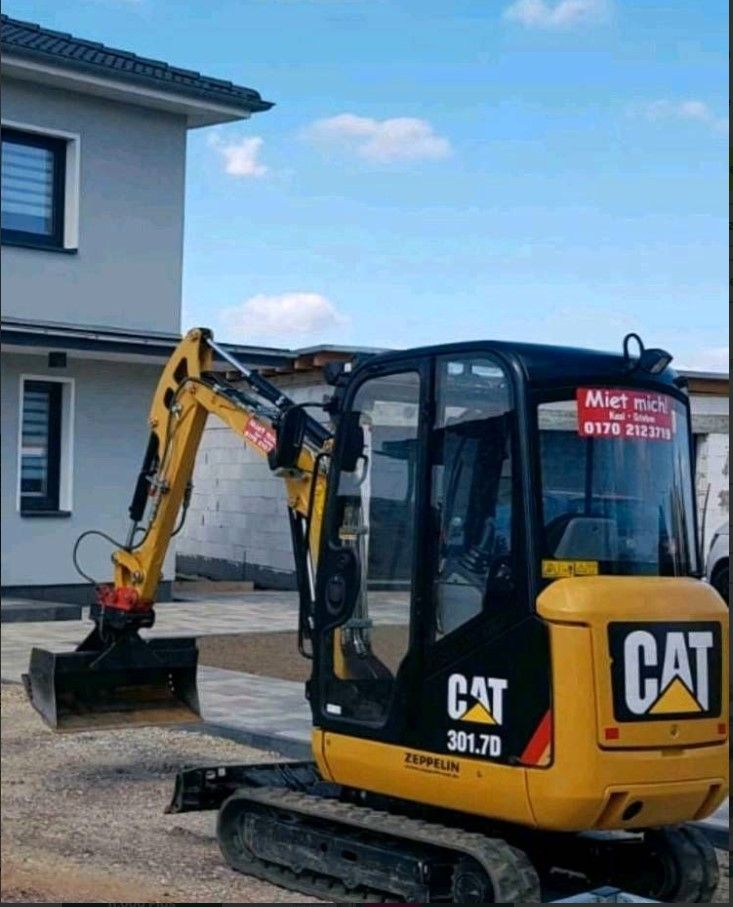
[{"x": 517, "y": 506}]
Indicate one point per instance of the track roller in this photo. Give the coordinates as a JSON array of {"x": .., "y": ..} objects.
[
  {"x": 471, "y": 883},
  {"x": 675, "y": 865}
]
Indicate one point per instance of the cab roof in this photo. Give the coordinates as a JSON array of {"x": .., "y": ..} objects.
[{"x": 546, "y": 364}]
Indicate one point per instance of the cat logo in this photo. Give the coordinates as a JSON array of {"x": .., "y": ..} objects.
[
  {"x": 665, "y": 670},
  {"x": 478, "y": 700}
]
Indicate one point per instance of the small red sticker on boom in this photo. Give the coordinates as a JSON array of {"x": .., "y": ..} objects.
[
  {"x": 607, "y": 412},
  {"x": 260, "y": 435}
]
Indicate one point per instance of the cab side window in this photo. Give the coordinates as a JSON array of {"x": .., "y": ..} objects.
[
  {"x": 471, "y": 490},
  {"x": 377, "y": 520}
]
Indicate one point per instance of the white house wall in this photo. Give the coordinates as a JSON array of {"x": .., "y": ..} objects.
[
  {"x": 127, "y": 271},
  {"x": 109, "y": 437}
]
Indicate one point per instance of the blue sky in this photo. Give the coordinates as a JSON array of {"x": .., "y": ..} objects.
[{"x": 544, "y": 170}]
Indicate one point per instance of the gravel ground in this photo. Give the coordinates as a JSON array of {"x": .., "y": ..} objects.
[
  {"x": 82, "y": 816},
  {"x": 83, "y": 820}
]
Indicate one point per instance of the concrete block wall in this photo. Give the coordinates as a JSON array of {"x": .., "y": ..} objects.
[
  {"x": 710, "y": 422},
  {"x": 713, "y": 471},
  {"x": 237, "y": 526}
]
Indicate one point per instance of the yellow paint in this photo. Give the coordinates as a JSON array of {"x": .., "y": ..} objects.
[
  {"x": 554, "y": 569},
  {"x": 595, "y": 601},
  {"x": 479, "y": 714},
  {"x": 676, "y": 698},
  {"x": 478, "y": 787},
  {"x": 678, "y": 770}
]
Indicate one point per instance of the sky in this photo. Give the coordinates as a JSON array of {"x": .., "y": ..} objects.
[{"x": 538, "y": 170}]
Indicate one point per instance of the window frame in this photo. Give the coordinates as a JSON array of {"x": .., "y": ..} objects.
[
  {"x": 66, "y": 147},
  {"x": 324, "y": 624},
  {"x": 65, "y": 448}
]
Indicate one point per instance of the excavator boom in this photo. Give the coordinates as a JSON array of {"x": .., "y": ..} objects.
[{"x": 117, "y": 678}]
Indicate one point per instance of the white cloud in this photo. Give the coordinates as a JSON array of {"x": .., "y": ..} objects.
[
  {"x": 690, "y": 110},
  {"x": 399, "y": 138},
  {"x": 241, "y": 158},
  {"x": 559, "y": 14},
  {"x": 710, "y": 359},
  {"x": 288, "y": 315}
]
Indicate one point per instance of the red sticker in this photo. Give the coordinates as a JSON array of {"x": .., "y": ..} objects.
[
  {"x": 260, "y": 435},
  {"x": 607, "y": 412}
]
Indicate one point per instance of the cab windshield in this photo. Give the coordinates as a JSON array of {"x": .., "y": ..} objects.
[{"x": 617, "y": 487}]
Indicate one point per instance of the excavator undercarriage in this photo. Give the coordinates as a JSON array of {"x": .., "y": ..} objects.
[{"x": 282, "y": 823}]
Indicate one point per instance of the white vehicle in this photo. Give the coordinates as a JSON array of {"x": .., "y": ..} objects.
[{"x": 717, "y": 570}]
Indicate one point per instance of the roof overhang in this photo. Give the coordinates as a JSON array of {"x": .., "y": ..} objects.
[
  {"x": 117, "y": 344},
  {"x": 197, "y": 111},
  {"x": 113, "y": 345}
]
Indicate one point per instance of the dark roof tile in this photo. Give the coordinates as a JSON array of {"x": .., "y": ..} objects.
[{"x": 30, "y": 40}]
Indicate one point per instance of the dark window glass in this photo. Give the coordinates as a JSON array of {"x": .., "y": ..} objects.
[
  {"x": 40, "y": 446},
  {"x": 623, "y": 504},
  {"x": 471, "y": 498},
  {"x": 32, "y": 188}
]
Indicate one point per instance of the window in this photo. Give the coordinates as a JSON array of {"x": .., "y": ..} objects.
[
  {"x": 622, "y": 503},
  {"x": 33, "y": 189},
  {"x": 471, "y": 497},
  {"x": 44, "y": 444},
  {"x": 376, "y": 504}
]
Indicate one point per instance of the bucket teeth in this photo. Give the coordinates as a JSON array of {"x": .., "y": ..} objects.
[{"x": 130, "y": 682}]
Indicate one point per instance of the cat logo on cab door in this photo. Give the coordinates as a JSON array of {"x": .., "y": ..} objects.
[
  {"x": 665, "y": 670},
  {"x": 478, "y": 700}
]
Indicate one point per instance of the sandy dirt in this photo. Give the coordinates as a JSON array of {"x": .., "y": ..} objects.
[
  {"x": 83, "y": 820},
  {"x": 276, "y": 654}
]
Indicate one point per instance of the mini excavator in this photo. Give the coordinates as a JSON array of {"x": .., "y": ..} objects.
[{"x": 516, "y": 668}]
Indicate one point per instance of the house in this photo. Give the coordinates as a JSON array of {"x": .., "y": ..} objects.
[
  {"x": 93, "y": 172},
  {"x": 237, "y": 527}
]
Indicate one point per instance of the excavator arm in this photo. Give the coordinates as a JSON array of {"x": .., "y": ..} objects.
[
  {"x": 115, "y": 676},
  {"x": 188, "y": 392}
]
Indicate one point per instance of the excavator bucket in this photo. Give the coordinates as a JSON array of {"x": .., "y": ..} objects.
[{"x": 129, "y": 682}]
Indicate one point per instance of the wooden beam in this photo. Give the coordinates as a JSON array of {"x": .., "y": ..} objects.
[{"x": 718, "y": 387}]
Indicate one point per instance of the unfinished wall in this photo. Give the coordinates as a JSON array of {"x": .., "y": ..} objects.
[
  {"x": 237, "y": 526},
  {"x": 713, "y": 473}
]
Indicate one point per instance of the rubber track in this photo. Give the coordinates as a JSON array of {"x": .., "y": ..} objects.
[
  {"x": 709, "y": 861},
  {"x": 512, "y": 875},
  {"x": 689, "y": 865}
]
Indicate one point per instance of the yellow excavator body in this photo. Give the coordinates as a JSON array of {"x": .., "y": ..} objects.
[{"x": 597, "y": 773}]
